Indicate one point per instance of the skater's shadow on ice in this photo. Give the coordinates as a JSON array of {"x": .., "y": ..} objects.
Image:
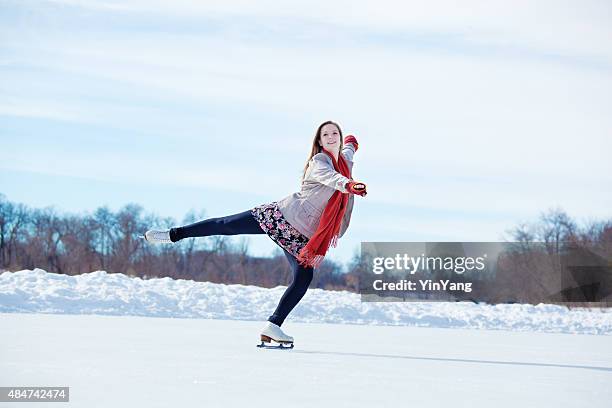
[{"x": 456, "y": 360}]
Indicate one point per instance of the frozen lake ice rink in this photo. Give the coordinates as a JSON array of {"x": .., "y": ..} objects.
[{"x": 127, "y": 361}]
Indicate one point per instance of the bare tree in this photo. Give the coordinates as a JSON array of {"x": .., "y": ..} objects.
[
  {"x": 554, "y": 228},
  {"x": 103, "y": 222},
  {"x": 13, "y": 224},
  {"x": 127, "y": 243}
]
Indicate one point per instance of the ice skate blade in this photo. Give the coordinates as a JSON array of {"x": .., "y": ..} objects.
[{"x": 280, "y": 346}]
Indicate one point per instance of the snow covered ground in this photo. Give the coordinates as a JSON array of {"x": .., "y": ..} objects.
[
  {"x": 123, "y": 342},
  {"x": 116, "y": 294}
]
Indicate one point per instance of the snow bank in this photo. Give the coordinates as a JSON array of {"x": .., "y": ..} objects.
[{"x": 37, "y": 291}]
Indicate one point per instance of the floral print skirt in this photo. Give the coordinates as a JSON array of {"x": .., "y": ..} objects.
[{"x": 278, "y": 228}]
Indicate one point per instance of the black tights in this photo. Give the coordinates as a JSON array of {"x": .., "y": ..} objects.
[{"x": 245, "y": 223}]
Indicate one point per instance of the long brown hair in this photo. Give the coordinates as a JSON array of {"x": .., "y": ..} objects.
[{"x": 316, "y": 148}]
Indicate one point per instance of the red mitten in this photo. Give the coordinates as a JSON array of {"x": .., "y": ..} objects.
[
  {"x": 353, "y": 140},
  {"x": 356, "y": 187}
]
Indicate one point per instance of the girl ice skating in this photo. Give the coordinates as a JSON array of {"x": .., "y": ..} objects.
[{"x": 304, "y": 224}]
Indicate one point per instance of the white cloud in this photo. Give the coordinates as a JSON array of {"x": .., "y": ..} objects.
[{"x": 555, "y": 26}]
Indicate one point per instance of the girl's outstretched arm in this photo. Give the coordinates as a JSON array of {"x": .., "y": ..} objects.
[
  {"x": 321, "y": 170},
  {"x": 350, "y": 147}
]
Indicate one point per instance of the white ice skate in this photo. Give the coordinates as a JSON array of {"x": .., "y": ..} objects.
[
  {"x": 272, "y": 332},
  {"x": 158, "y": 237}
]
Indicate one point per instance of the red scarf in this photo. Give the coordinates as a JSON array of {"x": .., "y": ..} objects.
[{"x": 329, "y": 224}]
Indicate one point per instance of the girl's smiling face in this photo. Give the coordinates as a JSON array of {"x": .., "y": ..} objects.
[{"x": 330, "y": 138}]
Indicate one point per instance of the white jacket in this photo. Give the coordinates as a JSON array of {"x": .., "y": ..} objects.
[{"x": 303, "y": 209}]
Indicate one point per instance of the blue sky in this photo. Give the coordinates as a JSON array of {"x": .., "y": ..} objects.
[{"x": 470, "y": 119}]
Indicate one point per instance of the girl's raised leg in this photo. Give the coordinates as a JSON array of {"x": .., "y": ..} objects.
[{"x": 235, "y": 224}]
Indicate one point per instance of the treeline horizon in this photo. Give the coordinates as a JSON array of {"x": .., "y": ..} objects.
[{"x": 71, "y": 244}]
